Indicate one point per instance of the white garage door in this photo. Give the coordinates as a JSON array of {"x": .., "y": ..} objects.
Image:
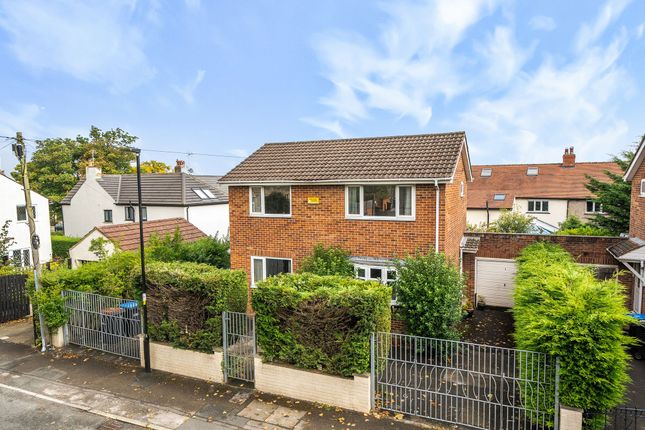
[{"x": 495, "y": 281}]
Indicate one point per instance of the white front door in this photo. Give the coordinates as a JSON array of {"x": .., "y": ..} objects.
[{"x": 495, "y": 281}]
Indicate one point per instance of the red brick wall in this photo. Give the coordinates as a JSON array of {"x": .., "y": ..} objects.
[
  {"x": 585, "y": 249},
  {"x": 325, "y": 223},
  {"x": 637, "y": 213},
  {"x": 453, "y": 218}
]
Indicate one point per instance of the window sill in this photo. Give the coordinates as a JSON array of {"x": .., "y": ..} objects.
[
  {"x": 270, "y": 215},
  {"x": 537, "y": 212},
  {"x": 378, "y": 218},
  {"x": 595, "y": 213}
]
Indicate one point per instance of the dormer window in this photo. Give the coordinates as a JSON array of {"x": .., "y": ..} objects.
[
  {"x": 499, "y": 197},
  {"x": 487, "y": 171},
  {"x": 532, "y": 171}
]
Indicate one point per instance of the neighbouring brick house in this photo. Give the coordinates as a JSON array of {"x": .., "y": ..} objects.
[
  {"x": 379, "y": 198},
  {"x": 631, "y": 252}
]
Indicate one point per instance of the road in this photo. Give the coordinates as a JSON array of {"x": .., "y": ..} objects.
[{"x": 24, "y": 411}]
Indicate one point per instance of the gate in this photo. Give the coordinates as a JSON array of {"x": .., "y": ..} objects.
[
  {"x": 14, "y": 302},
  {"x": 621, "y": 418},
  {"x": 105, "y": 323},
  {"x": 479, "y": 386},
  {"x": 238, "y": 338}
]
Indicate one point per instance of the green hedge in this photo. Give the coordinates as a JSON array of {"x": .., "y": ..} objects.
[
  {"x": 207, "y": 250},
  {"x": 61, "y": 245},
  {"x": 561, "y": 309},
  {"x": 186, "y": 300},
  {"x": 320, "y": 322}
]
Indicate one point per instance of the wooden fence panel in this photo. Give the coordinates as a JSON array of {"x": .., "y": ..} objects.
[{"x": 14, "y": 302}]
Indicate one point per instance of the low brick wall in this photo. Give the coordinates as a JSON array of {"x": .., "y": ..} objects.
[
  {"x": 349, "y": 393},
  {"x": 185, "y": 362},
  {"x": 585, "y": 250}
]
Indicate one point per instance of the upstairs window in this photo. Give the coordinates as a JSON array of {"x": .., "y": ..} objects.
[
  {"x": 380, "y": 201},
  {"x": 538, "y": 206},
  {"x": 107, "y": 215},
  {"x": 129, "y": 213},
  {"x": 532, "y": 171},
  {"x": 21, "y": 212},
  {"x": 462, "y": 189},
  {"x": 642, "y": 187},
  {"x": 499, "y": 197},
  {"x": 203, "y": 193},
  {"x": 486, "y": 171},
  {"x": 593, "y": 207},
  {"x": 271, "y": 200}
]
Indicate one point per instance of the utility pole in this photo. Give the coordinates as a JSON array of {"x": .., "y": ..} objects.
[
  {"x": 144, "y": 285},
  {"x": 19, "y": 151}
]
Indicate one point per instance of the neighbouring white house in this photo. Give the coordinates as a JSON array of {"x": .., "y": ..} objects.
[
  {"x": 125, "y": 237},
  {"x": 100, "y": 200},
  {"x": 14, "y": 210},
  {"x": 548, "y": 192}
]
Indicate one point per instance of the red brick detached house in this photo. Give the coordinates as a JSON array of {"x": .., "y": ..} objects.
[
  {"x": 631, "y": 252},
  {"x": 379, "y": 198}
]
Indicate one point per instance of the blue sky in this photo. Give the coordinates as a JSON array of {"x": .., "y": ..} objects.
[{"x": 524, "y": 79}]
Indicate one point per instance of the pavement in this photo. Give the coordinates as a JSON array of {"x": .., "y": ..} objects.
[{"x": 76, "y": 388}]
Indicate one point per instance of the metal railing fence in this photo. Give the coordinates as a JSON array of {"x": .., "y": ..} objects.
[
  {"x": 238, "y": 330},
  {"x": 104, "y": 323}
]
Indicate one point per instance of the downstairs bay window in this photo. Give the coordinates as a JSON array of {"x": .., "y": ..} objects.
[
  {"x": 380, "y": 202},
  {"x": 383, "y": 274}
]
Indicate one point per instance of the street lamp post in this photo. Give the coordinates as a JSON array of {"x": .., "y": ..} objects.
[{"x": 144, "y": 285}]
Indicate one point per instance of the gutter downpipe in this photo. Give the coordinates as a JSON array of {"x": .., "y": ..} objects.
[{"x": 436, "y": 221}]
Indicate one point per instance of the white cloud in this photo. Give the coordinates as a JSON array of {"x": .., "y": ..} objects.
[
  {"x": 187, "y": 92},
  {"x": 95, "y": 42},
  {"x": 333, "y": 127},
  {"x": 193, "y": 4},
  {"x": 590, "y": 32},
  {"x": 543, "y": 23},
  {"x": 572, "y": 103},
  {"x": 502, "y": 55},
  {"x": 413, "y": 62}
]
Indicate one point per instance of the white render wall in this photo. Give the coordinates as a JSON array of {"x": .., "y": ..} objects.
[
  {"x": 81, "y": 251},
  {"x": 211, "y": 219},
  {"x": 86, "y": 209},
  {"x": 478, "y": 216},
  {"x": 12, "y": 195},
  {"x": 557, "y": 210}
]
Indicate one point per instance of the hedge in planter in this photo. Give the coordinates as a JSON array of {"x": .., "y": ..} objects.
[
  {"x": 561, "y": 309},
  {"x": 320, "y": 322},
  {"x": 186, "y": 301}
]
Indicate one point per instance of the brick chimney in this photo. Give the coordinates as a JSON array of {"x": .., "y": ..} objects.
[
  {"x": 181, "y": 165},
  {"x": 569, "y": 158}
]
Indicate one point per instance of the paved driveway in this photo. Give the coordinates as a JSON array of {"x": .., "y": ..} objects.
[{"x": 636, "y": 392}]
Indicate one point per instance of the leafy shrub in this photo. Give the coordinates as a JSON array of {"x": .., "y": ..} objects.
[
  {"x": 561, "y": 309},
  {"x": 320, "y": 322},
  {"x": 572, "y": 222},
  {"x": 208, "y": 250},
  {"x": 328, "y": 261},
  {"x": 186, "y": 300},
  {"x": 61, "y": 245},
  {"x": 429, "y": 295},
  {"x": 508, "y": 222},
  {"x": 585, "y": 230}
]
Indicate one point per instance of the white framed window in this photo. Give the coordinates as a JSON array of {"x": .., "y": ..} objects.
[
  {"x": 499, "y": 197},
  {"x": 532, "y": 171},
  {"x": 129, "y": 213},
  {"x": 203, "y": 193},
  {"x": 385, "y": 201},
  {"x": 270, "y": 201},
  {"x": 21, "y": 257},
  {"x": 462, "y": 189},
  {"x": 593, "y": 207},
  {"x": 538, "y": 206},
  {"x": 642, "y": 187},
  {"x": 21, "y": 212},
  {"x": 265, "y": 267},
  {"x": 383, "y": 274},
  {"x": 486, "y": 171}
]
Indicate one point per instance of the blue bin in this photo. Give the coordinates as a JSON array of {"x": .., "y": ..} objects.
[
  {"x": 637, "y": 330},
  {"x": 131, "y": 322}
]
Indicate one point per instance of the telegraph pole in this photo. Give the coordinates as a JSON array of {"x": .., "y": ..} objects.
[{"x": 19, "y": 151}]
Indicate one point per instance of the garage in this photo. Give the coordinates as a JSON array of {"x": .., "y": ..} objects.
[{"x": 495, "y": 281}]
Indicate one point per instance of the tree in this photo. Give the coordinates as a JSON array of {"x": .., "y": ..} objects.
[
  {"x": 574, "y": 226},
  {"x": 429, "y": 294},
  {"x": 152, "y": 166},
  {"x": 327, "y": 261},
  {"x": 614, "y": 196},
  {"x": 5, "y": 242},
  {"x": 58, "y": 163},
  {"x": 508, "y": 222}
]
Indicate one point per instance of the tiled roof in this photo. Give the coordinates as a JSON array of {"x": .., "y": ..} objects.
[
  {"x": 126, "y": 236},
  {"x": 428, "y": 156},
  {"x": 169, "y": 189},
  {"x": 626, "y": 246},
  {"x": 470, "y": 244},
  {"x": 552, "y": 181}
]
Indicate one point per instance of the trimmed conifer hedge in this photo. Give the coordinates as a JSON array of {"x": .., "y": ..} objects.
[
  {"x": 562, "y": 309},
  {"x": 320, "y": 322}
]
